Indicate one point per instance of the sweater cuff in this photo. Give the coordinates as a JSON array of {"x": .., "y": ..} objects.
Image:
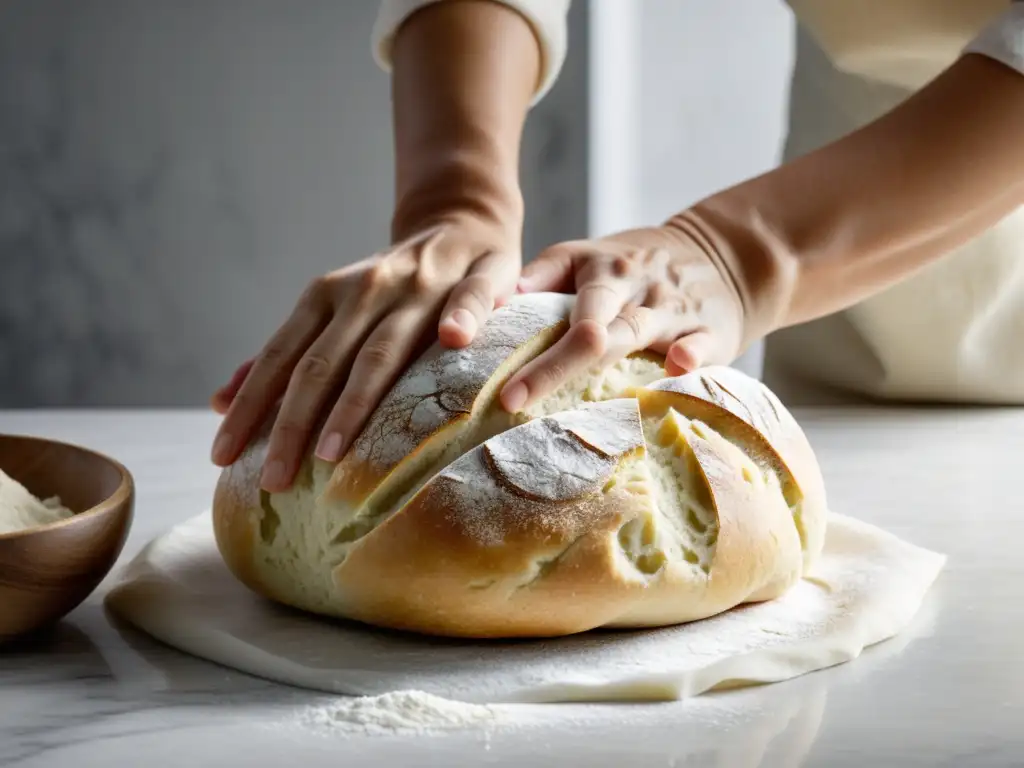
[
  {"x": 1003, "y": 39},
  {"x": 549, "y": 19}
]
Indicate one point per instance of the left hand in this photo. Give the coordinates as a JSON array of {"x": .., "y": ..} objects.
[
  {"x": 354, "y": 331},
  {"x": 655, "y": 288}
]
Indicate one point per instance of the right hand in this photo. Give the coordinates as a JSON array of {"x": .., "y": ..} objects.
[
  {"x": 355, "y": 330},
  {"x": 657, "y": 288}
]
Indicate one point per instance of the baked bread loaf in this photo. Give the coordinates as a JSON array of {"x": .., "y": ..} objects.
[{"x": 625, "y": 499}]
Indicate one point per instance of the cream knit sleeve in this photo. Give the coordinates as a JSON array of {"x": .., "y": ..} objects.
[
  {"x": 547, "y": 17},
  {"x": 1003, "y": 39}
]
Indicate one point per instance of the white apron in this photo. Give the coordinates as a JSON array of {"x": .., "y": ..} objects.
[{"x": 953, "y": 332}]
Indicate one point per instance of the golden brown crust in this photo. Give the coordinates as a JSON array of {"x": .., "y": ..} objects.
[
  {"x": 489, "y": 540},
  {"x": 552, "y": 527},
  {"x": 236, "y": 500},
  {"x": 457, "y": 586},
  {"x": 439, "y": 392},
  {"x": 502, "y": 564}
]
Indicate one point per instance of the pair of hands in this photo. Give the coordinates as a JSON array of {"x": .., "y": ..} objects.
[{"x": 356, "y": 329}]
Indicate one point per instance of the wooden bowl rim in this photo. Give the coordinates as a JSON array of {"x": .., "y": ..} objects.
[{"x": 123, "y": 493}]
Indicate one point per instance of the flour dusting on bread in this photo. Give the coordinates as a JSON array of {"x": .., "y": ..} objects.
[
  {"x": 623, "y": 499},
  {"x": 444, "y": 384}
]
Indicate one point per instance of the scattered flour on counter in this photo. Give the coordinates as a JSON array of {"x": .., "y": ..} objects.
[{"x": 399, "y": 711}]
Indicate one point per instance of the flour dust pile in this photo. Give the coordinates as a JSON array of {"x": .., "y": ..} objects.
[{"x": 404, "y": 711}]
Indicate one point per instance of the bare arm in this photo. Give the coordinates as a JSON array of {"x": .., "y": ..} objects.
[
  {"x": 464, "y": 74},
  {"x": 831, "y": 228}
]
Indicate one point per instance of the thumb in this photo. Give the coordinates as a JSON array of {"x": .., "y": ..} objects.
[
  {"x": 688, "y": 353},
  {"x": 550, "y": 271}
]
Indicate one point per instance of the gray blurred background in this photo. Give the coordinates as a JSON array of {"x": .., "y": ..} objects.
[{"x": 173, "y": 172}]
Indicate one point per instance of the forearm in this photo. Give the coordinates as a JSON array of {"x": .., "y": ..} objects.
[
  {"x": 829, "y": 229},
  {"x": 464, "y": 74}
]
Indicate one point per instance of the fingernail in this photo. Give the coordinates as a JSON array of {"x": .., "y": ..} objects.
[
  {"x": 221, "y": 448},
  {"x": 686, "y": 358},
  {"x": 514, "y": 398},
  {"x": 464, "y": 319},
  {"x": 525, "y": 284},
  {"x": 273, "y": 475},
  {"x": 329, "y": 448}
]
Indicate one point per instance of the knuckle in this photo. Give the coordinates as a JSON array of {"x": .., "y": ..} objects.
[
  {"x": 590, "y": 337},
  {"x": 357, "y": 403},
  {"x": 288, "y": 431},
  {"x": 314, "y": 368},
  {"x": 273, "y": 355},
  {"x": 476, "y": 290},
  {"x": 600, "y": 286},
  {"x": 378, "y": 354},
  {"x": 657, "y": 293},
  {"x": 678, "y": 273},
  {"x": 377, "y": 275},
  {"x": 315, "y": 291},
  {"x": 547, "y": 376},
  {"x": 243, "y": 404},
  {"x": 426, "y": 281},
  {"x": 621, "y": 265},
  {"x": 635, "y": 323},
  {"x": 657, "y": 258},
  {"x": 315, "y": 300},
  {"x": 590, "y": 270}
]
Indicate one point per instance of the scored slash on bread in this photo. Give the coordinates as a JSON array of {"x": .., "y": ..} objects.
[
  {"x": 625, "y": 499},
  {"x": 753, "y": 417}
]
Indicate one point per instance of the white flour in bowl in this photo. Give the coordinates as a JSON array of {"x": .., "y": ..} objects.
[
  {"x": 399, "y": 711},
  {"x": 21, "y": 511}
]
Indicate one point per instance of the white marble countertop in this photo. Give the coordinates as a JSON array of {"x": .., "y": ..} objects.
[{"x": 948, "y": 692}]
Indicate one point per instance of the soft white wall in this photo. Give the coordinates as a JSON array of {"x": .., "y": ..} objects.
[{"x": 687, "y": 96}]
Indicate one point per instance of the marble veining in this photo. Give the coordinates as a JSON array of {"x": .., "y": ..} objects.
[
  {"x": 946, "y": 692},
  {"x": 64, "y": 230}
]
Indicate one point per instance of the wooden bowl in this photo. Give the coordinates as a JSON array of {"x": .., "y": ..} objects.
[{"x": 47, "y": 571}]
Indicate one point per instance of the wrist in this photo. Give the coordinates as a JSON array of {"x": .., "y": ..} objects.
[
  {"x": 464, "y": 75},
  {"x": 454, "y": 184},
  {"x": 752, "y": 257}
]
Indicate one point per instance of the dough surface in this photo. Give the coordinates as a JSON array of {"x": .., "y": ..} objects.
[{"x": 867, "y": 587}]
